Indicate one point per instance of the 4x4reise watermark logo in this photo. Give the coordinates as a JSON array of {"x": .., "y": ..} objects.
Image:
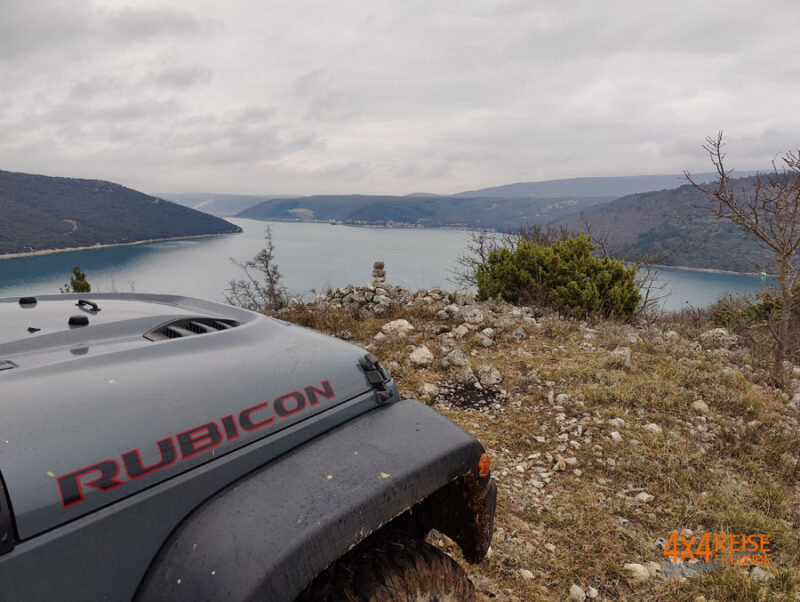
[{"x": 721, "y": 549}]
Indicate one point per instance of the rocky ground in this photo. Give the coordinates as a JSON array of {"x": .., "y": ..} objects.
[{"x": 605, "y": 438}]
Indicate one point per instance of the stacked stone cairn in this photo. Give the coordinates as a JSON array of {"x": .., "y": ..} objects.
[
  {"x": 378, "y": 297},
  {"x": 378, "y": 273}
]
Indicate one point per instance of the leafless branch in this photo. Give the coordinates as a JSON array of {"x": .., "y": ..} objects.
[
  {"x": 771, "y": 213},
  {"x": 261, "y": 288}
]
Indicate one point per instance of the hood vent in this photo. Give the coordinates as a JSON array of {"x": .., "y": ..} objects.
[{"x": 188, "y": 327}]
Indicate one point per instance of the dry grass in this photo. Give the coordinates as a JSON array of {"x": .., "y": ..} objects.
[{"x": 733, "y": 469}]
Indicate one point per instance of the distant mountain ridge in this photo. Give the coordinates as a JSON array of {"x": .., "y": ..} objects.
[
  {"x": 611, "y": 186},
  {"x": 672, "y": 225},
  {"x": 42, "y": 212},
  {"x": 504, "y": 207},
  {"x": 501, "y": 207},
  {"x": 418, "y": 211}
]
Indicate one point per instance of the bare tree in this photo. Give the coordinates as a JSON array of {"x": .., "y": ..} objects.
[
  {"x": 481, "y": 243},
  {"x": 540, "y": 235},
  {"x": 771, "y": 212},
  {"x": 261, "y": 288}
]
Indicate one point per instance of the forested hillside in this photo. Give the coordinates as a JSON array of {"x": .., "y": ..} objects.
[
  {"x": 676, "y": 228},
  {"x": 433, "y": 211},
  {"x": 41, "y": 212},
  {"x": 504, "y": 208},
  {"x": 609, "y": 186}
]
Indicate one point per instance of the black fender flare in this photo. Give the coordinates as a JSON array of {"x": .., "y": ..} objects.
[{"x": 266, "y": 536}]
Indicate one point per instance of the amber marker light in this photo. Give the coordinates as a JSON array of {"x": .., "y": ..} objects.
[{"x": 483, "y": 466}]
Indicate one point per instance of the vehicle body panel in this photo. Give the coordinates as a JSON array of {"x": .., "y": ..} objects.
[
  {"x": 268, "y": 533},
  {"x": 63, "y": 412},
  {"x": 103, "y": 555},
  {"x": 268, "y": 536},
  {"x": 264, "y": 451}
]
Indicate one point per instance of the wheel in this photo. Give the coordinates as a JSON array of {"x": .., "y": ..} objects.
[{"x": 391, "y": 566}]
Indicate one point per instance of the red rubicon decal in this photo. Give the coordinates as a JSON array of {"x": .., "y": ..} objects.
[{"x": 105, "y": 475}]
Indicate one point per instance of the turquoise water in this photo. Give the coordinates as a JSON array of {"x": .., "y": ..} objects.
[
  {"x": 311, "y": 257},
  {"x": 692, "y": 288}
]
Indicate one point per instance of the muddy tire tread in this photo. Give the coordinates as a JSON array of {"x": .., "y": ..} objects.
[{"x": 391, "y": 566}]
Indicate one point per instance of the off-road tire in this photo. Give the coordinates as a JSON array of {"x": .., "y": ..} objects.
[{"x": 391, "y": 566}]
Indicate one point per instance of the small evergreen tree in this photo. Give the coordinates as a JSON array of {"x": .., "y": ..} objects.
[
  {"x": 77, "y": 284},
  {"x": 564, "y": 275}
]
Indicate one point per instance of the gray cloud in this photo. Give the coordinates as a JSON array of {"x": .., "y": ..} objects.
[
  {"x": 325, "y": 97},
  {"x": 94, "y": 87},
  {"x": 137, "y": 23},
  {"x": 390, "y": 96},
  {"x": 80, "y": 28},
  {"x": 133, "y": 111},
  {"x": 29, "y": 27},
  {"x": 178, "y": 77}
]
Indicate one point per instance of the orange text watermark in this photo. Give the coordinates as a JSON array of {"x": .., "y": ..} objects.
[{"x": 721, "y": 549}]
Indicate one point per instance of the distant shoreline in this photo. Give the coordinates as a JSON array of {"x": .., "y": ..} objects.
[
  {"x": 710, "y": 270},
  {"x": 393, "y": 225},
  {"x": 408, "y": 226},
  {"x": 396, "y": 225},
  {"x": 115, "y": 244}
]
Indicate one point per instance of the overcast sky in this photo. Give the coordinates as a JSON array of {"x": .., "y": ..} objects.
[{"x": 391, "y": 96}]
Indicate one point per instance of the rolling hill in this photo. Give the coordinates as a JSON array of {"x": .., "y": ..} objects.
[
  {"x": 42, "y": 212},
  {"x": 614, "y": 186},
  {"x": 674, "y": 227},
  {"x": 501, "y": 207},
  {"x": 419, "y": 211}
]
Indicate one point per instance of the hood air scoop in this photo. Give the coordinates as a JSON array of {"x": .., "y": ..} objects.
[{"x": 187, "y": 327}]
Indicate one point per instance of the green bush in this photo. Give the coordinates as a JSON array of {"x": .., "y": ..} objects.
[
  {"x": 732, "y": 311},
  {"x": 747, "y": 311},
  {"x": 564, "y": 275},
  {"x": 770, "y": 302}
]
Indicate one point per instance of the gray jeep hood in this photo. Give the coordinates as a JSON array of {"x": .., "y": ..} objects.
[{"x": 73, "y": 397}]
